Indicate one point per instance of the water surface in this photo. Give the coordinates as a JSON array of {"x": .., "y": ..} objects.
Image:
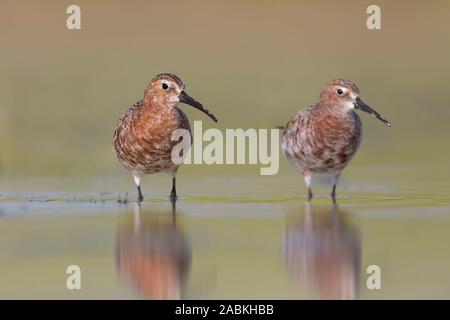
[{"x": 241, "y": 244}]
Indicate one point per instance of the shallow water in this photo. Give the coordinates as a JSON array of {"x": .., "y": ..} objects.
[{"x": 244, "y": 243}]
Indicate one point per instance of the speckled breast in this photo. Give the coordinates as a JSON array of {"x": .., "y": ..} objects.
[
  {"x": 142, "y": 139},
  {"x": 321, "y": 142}
]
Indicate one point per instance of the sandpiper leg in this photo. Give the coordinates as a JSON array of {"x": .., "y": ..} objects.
[
  {"x": 333, "y": 192},
  {"x": 310, "y": 194},
  {"x": 140, "y": 197},
  {"x": 335, "y": 181},
  {"x": 308, "y": 185},
  {"x": 173, "y": 193},
  {"x": 333, "y": 198},
  {"x": 137, "y": 180}
]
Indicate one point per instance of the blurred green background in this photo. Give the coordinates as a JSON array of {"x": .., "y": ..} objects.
[{"x": 253, "y": 63}]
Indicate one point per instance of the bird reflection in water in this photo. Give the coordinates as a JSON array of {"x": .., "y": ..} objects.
[
  {"x": 324, "y": 252},
  {"x": 153, "y": 256}
]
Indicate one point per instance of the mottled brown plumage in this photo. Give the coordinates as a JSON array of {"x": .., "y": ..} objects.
[
  {"x": 324, "y": 137},
  {"x": 142, "y": 138}
]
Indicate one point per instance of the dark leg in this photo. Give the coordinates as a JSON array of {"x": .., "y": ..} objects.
[
  {"x": 334, "y": 200},
  {"x": 140, "y": 197},
  {"x": 335, "y": 181},
  {"x": 333, "y": 192},
  {"x": 173, "y": 193},
  {"x": 137, "y": 180},
  {"x": 308, "y": 178},
  {"x": 310, "y": 194}
]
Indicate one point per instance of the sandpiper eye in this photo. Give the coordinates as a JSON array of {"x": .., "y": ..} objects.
[
  {"x": 340, "y": 91},
  {"x": 165, "y": 86}
]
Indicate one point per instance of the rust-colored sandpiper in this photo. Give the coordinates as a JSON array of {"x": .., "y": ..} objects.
[
  {"x": 142, "y": 138},
  {"x": 324, "y": 137}
]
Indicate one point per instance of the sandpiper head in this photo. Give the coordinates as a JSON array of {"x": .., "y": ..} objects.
[
  {"x": 167, "y": 89},
  {"x": 344, "y": 94}
]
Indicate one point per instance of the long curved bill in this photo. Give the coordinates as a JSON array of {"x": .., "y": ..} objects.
[
  {"x": 185, "y": 98},
  {"x": 359, "y": 104}
]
